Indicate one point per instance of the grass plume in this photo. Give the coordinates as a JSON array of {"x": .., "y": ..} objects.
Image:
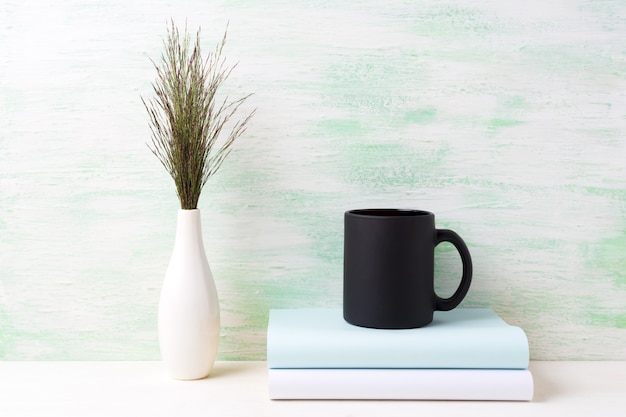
[{"x": 192, "y": 132}]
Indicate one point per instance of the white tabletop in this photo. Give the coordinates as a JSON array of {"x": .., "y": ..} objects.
[{"x": 240, "y": 389}]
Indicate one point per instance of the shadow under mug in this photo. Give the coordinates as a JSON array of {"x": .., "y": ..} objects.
[{"x": 388, "y": 276}]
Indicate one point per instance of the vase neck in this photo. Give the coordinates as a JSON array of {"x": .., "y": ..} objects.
[{"x": 189, "y": 225}]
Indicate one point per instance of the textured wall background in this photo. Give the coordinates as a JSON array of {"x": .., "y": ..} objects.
[{"x": 507, "y": 119}]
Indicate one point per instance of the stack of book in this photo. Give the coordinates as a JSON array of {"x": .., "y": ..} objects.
[{"x": 464, "y": 354}]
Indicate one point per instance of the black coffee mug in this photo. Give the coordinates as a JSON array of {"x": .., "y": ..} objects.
[{"x": 388, "y": 275}]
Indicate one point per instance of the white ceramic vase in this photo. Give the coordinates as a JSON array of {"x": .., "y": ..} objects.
[{"x": 189, "y": 314}]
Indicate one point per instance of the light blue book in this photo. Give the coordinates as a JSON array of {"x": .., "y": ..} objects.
[{"x": 464, "y": 338}]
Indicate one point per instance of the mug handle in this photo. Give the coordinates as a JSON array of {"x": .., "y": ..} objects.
[{"x": 446, "y": 304}]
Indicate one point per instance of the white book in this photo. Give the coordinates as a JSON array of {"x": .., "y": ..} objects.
[{"x": 401, "y": 384}]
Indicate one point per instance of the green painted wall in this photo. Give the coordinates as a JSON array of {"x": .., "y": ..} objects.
[{"x": 507, "y": 119}]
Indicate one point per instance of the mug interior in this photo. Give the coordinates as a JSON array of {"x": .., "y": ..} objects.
[{"x": 386, "y": 212}]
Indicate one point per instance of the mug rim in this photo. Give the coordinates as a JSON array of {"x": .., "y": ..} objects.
[{"x": 388, "y": 212}]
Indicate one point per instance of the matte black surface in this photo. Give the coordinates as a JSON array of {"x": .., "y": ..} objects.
[{"x": 389, "y": 268}]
